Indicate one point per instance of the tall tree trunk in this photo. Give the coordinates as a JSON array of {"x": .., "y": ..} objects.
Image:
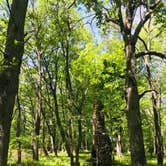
[
  {"x": 79, "y": 141},
  {"x": 43, "y": 139},
  {"x": 9, "y": 73},
  {"x": 133, "y": 109},
  {"x": 102, "y": 142},
  {"x": 156, "y": 97},
  {"x": 38, "y": 111},
  {"x": 77, "y": 163},
  {"x": 53, "y": 88},
  {"x": 69, "y": 99},
  {"x": 158, "y": 142},
  {"x": 158, "y": 135},
  {"x": 53, "y": 139},
  {"x": 18, "y": 132}
]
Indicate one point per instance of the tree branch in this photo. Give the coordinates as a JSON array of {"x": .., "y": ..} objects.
[
  {"x": 153, "y": 53},
  {"x": 109, "y": 18},
  {"x": 121, "y": 23},
  {"x": 144, "y": 20},
  {"x": 8, "y": 5},
  {"x": 143, "y": 43},
  {"x": 72, "y": 4},
  {"x": 146, "y": 91}
]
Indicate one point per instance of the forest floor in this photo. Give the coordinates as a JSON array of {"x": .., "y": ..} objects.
[{"x": 63, "y": 160}]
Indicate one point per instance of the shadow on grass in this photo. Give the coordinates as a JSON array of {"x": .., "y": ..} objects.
[{"x": 30, "y": 163}]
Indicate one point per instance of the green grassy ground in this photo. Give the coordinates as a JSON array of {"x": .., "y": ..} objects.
[{"x": 63, "y": 160}]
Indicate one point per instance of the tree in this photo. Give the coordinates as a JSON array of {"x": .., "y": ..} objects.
[
  {"x": 123, "y": 14},
  {"x": 155, "y": 89},
  {"x": 102, "y": 143},
  {"x": 9, "y": 72}
]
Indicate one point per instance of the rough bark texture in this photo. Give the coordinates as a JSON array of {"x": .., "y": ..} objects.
[
  {"x": 9, "y": 73},
  {"x": 133, "y": 110},
  {"x": 102, "y": 144}
]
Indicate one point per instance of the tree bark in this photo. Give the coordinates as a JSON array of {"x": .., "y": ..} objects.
[
  {"x": 102, "y": 142},
  {"x": 9, "y": 72},
  {"x": 133, "y": 109},
  {"x": 119, "y": 143},
  {"x": 38, "y": 111}
]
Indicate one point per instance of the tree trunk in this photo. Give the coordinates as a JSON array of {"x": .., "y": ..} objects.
[
  {"x": 9, "y": 73},
  {"x": 156, "y": 97},
  {"x": 133, "y": 109},
  {"x": 77, "y": 163},
  {"x": 43, "y": 138},
  {"x": 18, "y": 132},
  {"x": 158, "y": 136},
  {"x": 119, "y": 144},
  {"x": 102, "y": 142},
  {"x": 157, "y": 122},
  {"x": 53, "y": 88},
  {"x": 38, "y": 111},
  {"x": 69, "y": 99},
  {"x": 53, "y": 142}
]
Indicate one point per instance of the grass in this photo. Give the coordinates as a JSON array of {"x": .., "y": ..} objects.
[{"x": 63, "y": 160}]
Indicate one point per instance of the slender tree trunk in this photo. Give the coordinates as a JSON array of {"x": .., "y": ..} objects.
[
  {"x": 69, "y": 99},
  {"x": 119, "y": 143},
  {"x": 43, "y": 139},
  {"x": 158, "y": 135},
  {"x": 9, "y": 73},
  {"x": 80, "y": 139},
  {"x": 38, "y": 111},
  {"x": 77, "y": 163},
  {"x": 158, "y": 142},
  {"x": 18, "y": 132},
  {"x": 156, "y": 97},
  {"x": 53, "y": 138},
  {"x": 53, "y": 88}
]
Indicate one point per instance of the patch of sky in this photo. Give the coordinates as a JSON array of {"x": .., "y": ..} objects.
[{"x": 90, "y": 22}]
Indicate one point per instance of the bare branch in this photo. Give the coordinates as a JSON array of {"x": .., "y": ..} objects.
[
  {"x": 144, "y": 20},
  {"x": 119, "y": 5},
  {"x": 109, "y": 17},
  {"x": 72, "y": 4},
  {"x": 8, "y": 5},
  {"x": 153, "y": 53},
  {"x": 143, "y": 43},
  {"x": 146, "y": 91}
]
